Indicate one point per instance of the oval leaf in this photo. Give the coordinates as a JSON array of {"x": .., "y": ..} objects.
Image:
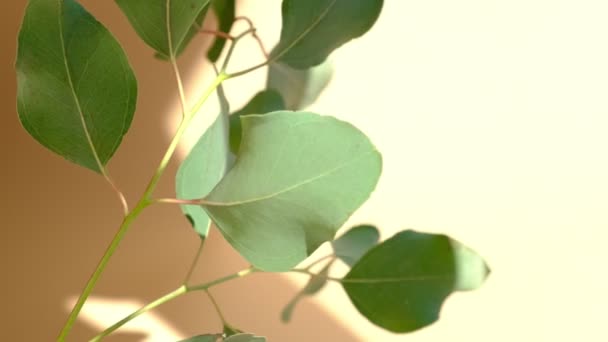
[
  {"x": 166, "y": 26},
  {"x": 76, "y": 90},
  {"x": 225, "y": 11},
  {"x": 402, "y": 283},
  {"x": 245, "y": 338},
  {"x": 205, "y": 165},
  {"x": 263, "y": 102},
  {"x": 351, "y": 246},
  {"x": 312, "y": 29},
  {"x": 299, "y": 88},
  {"x": 297, "y": 178}
]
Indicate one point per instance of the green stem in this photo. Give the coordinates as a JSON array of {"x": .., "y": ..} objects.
[
  {"x": 182, "y": 290},
  {"x": 216, "y": 306},
  {"x": 194, "y": 262},
  {"x": 141, "y": 205},
  {"x": 124, "y": 227},
  {"x": 169, "y": 296},
  {"x": 313, "y": 274}
]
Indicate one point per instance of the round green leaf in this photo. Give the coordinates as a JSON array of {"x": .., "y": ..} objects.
[
  {"x": 166, "y": 26},
  {"x": 225, "y": 11},
  {"x": 76, "y": 90},
  {"x": 312, "y": 29},
  {"x": 299, "y": 88},
  {"x": 402, "y": 283},
  {"x": 263, "y": 102},
  {"x": 297, "y": 179},
  {"x": 205, "y": 165},
  {"x": 353, "y": 244}
]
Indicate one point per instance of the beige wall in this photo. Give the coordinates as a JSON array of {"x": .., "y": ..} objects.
[{"x": 491, "y": 116}]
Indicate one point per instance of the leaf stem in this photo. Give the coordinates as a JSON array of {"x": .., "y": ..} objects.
[
  {"x": 314, "y": 263},
  {"x": 216, "y": 306},
  {"x": 233, "y": 43},
  {"x": 313, "y": 274},
  {"x": 177, "y": 201},
  {"x": 180, "y": 87},
  {"x": 182, "y": 290},
  {"x": 254, "y": 34},
  {"x": 168, "y": 297},
  {"x": 121, "y": 196},
  {"x": 194, "y": 262},
  {"x": 141, "y": 205}
]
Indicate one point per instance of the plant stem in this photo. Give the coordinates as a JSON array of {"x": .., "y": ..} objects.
[
  {"x": 170, "y": 296},
  {"x": 141, "y": 205},
  {"x": 313, "y": 274},
  {"x": 216, "y": 306},
  {"x": 124, "y": 227},
  {"x": 121, "y": 196},
  {"x": 194, "y": 262},
  {"x": 233, "y": 45}
]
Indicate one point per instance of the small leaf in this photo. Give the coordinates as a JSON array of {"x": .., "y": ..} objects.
[
  {"x": 351, "y": 246},
  {"x": 203, "y": 338},
  {"x": 312, "y": 29},
  {"x": 225, "y": 13},
  {"x": 245, "y": 338},
  {"x": 297, "y": 179},
  {"x": 263, "y": 102},
  {"x": 402, "y": 283},
  {"x": 299, "y": 88},
  {"x": 166, "y": 26},
  {"x": 205, "y": 165},
  {"x": 314, "y": 285},
  {"x": 76, "y": 90}
]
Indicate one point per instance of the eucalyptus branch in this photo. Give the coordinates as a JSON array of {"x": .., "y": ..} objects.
[
  {"x": 295, "y": 172},
  {"x": 131, "y": 216},
  {"x": 180, "y": 291}
]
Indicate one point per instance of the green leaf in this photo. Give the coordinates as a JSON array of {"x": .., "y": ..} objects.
[
  {"x": 245, "y": 338},
  {"x": 225, "y": 12},
  {"x": 299, "y": 88},
  {"x": 203, "y": 338},
  {"x": 263, "y": 102},
  {"x": 351, "y": 246},
  {"x": 205, "y": 165},
  {"x": 297, "y": 178},
  {"x": 314, "y": 285},
  {"x": 402, "y": 283},
  {"x": 76, "y": 90},
  {"x": 166, "y": 26},
  {"x": 312, "y": 29}
]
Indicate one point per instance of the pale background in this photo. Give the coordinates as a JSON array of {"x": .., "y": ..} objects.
[{"x": 491, "y": 117}]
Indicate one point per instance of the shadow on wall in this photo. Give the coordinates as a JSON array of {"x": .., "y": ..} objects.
[{"x": 57, "y": 219}]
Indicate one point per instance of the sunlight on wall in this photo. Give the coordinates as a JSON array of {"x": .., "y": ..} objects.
[{"x": 100, "y": 313}]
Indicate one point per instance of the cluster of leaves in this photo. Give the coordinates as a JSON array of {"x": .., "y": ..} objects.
[{"x": 276, "y": 181}]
